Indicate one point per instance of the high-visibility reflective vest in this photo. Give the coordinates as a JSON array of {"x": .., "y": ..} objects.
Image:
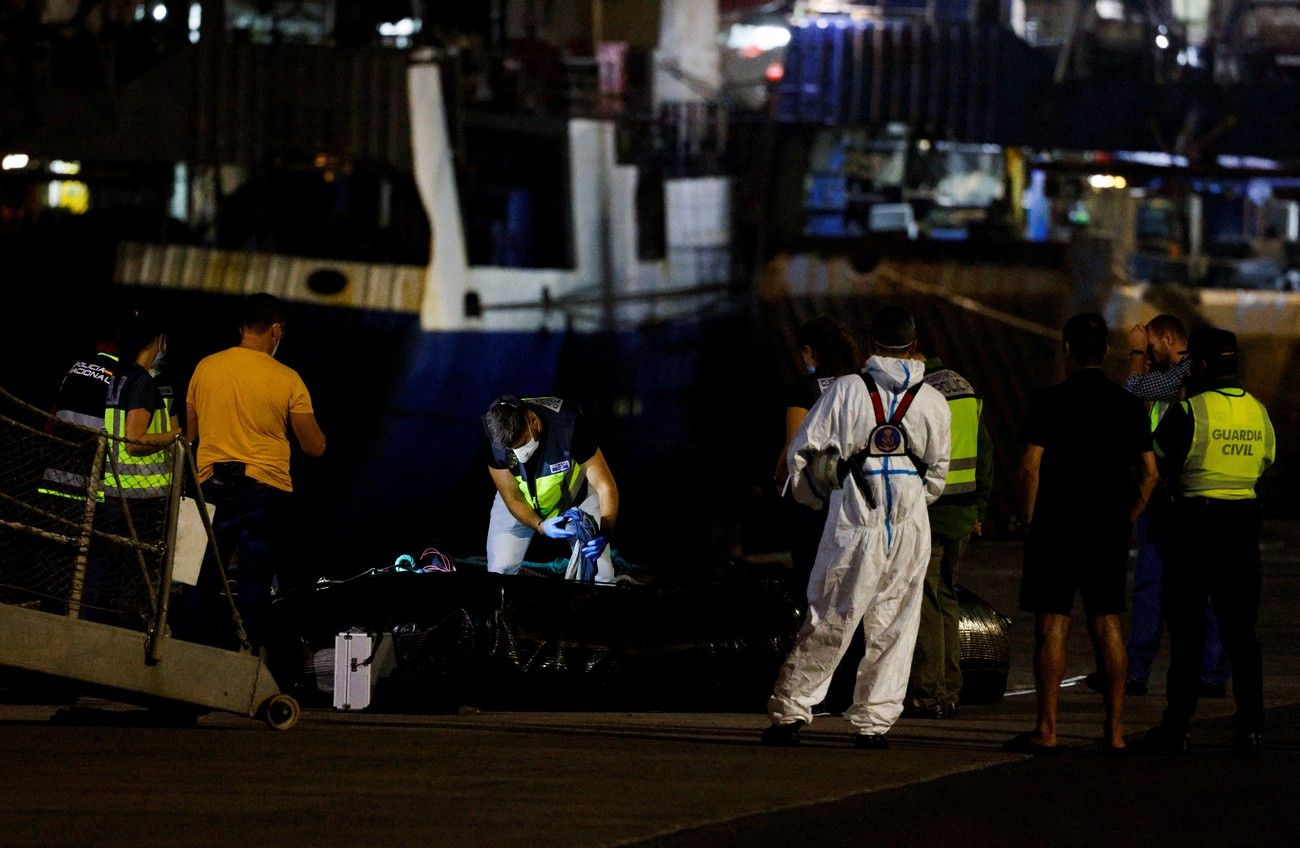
[
  {"x": 966, "y": 410},
  {"x": 1232, "y": 445},
  {"x": 1157, "y": 412},
  {"x": 132, "y": 476},
  {"x": 551, "y": 479},
  {"x": 80, "y": 402}
]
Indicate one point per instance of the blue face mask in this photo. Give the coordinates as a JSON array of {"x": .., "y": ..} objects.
[{"x": 812, "y": 369}]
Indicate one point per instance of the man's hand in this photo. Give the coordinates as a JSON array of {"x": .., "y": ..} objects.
[
  {"x": 594, "y": 548},
  {"x": 1137, "y": 337},
  {"x": 979, "y": 528},
  {"x": 556, "y": 527}
]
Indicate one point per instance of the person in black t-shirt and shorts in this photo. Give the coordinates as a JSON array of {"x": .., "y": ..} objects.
[{"x": 1087, "y": 473}]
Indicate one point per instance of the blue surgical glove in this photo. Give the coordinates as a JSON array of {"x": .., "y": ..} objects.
[
  {"x": 594, "y": 548},
  {"x": 556, "y": 527}
]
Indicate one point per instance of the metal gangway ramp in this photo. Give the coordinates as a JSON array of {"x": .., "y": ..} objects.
[{"x": 86, "y": 575}]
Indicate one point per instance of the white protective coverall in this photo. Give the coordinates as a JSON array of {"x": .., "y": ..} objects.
[{"x": 871, "y": 563}]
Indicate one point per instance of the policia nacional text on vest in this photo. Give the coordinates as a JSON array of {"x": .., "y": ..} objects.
[
  {"x": 552, "y": 479},
  {"x": 81, "y": 402}
]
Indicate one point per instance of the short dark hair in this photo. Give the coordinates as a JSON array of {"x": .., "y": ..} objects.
[
  {"x": 1166, "y": 323},
  {"x": 1214, "y": 353},
  {"x": 830, "y": 338},
  {"x": 136, "y": 332},
  {"x": 260, "y": 311},
  {"x": 893, "y": 327},
  {"x": 505, "y": 421},
  {"x": 1087, "y": 336}
]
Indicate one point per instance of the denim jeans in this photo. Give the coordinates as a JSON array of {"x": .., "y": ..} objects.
[{"x": 248, "y": 525}]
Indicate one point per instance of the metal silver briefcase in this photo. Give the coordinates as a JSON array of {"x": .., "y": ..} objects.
[{"x": 360, "y": 659}]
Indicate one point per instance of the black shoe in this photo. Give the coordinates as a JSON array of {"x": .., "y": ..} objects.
[
  {"x": 1096, "y": 682},
  {"x": 1135, "y": 688},
  {"x": 1211, "y": 690},
  {"x": 950, "y": 709},
  {"x": 1248, "y": 743},
  {"x": 871, "y": 742},
  {"x": 783, "y": 735},
  {"x": 916, "y": 709},
  {"x": 1163, "y": 739}
]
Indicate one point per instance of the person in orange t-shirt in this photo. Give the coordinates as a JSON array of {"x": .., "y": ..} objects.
[{"x": 240, "y": 407}]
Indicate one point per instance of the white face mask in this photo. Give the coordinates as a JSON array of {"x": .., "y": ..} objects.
[
  {"x": 157, "y": 363},
  {"x": 530, "y": 447},
  {"x": 274, "y": 348}
]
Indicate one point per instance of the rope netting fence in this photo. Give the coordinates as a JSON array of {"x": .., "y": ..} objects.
[{"x": 74, "y": 539}]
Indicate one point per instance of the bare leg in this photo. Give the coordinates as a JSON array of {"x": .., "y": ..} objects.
[
  {"x": 1112, "y": 658},
  {"x": 1049, "y": 667}
]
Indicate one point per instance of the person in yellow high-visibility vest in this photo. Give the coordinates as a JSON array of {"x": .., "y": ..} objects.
[
  {"x": 545, "y": 460},
  {"x": 1158, "y": 366},
  {"x": 934, "y": 690},
  {"x": 137, "y": 475},
  {"x": 1212, "y": 448}
]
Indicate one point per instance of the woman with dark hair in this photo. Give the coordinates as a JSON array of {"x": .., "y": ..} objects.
[{"x": 828, "y": 351}]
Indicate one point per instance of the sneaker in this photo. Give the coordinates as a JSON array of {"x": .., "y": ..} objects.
[
  {"x": 917, "y": 709},
  {"x": 1135, "y": 688},
  {"x": 1211, "y": 690},
  {"x": 783, "y": 735},
  {"x": 870, "y": 742},
  {"x": 1096, "y": 682}
]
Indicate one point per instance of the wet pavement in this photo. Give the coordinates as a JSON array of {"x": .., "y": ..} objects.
[{"x": 507, "y": 779}]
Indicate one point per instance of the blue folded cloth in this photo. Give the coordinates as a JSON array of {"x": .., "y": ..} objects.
[{"x": 588, "y": 528}]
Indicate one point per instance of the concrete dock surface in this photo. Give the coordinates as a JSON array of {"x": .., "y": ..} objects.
[{"x": 673, "y": 779}]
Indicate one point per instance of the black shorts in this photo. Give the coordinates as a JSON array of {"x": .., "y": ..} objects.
[{"x": 1086, "y": 558}]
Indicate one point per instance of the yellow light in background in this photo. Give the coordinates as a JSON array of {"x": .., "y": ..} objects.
[
  {"x": 72, "y": 195},
  {"x": 58, "y": 166},
  {"x": 1100, "y": 181}
]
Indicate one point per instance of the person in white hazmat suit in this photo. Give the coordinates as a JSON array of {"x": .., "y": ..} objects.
[{"x": 880, "y": 461}]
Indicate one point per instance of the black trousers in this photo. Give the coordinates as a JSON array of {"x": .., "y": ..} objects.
[{"x": 1214, "y": 551}]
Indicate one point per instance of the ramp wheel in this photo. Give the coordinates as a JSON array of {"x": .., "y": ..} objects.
[{"x": 280, "y": 712}]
